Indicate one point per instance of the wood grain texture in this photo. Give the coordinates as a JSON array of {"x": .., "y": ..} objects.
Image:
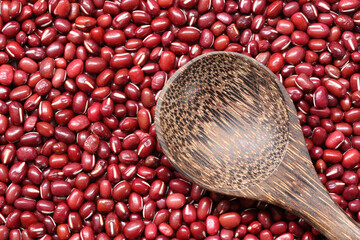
[
  {"x": 227, "y": 124},
  {"x": 219, "y": 117}
]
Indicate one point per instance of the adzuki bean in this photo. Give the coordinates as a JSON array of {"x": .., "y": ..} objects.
[{"x": 79, "y": 82}]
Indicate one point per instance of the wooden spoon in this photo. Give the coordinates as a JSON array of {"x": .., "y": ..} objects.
[{"x": 227, "y": 124}]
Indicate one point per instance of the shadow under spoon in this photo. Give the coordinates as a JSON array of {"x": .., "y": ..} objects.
[{"x": 227, "y": 124}]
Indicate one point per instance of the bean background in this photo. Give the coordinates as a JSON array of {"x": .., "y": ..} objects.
[{"x": 79, "y": 82}]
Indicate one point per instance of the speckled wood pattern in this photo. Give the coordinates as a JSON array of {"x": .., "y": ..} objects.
[{"x": 216, "y": 116}]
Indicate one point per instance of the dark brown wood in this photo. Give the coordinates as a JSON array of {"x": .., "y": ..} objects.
[{"x": 227, "y": 124}]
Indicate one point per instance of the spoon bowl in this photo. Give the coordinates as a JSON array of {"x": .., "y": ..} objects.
[
  {"x": 227, "y": 123},
  {"x": 216, "y": 118}
]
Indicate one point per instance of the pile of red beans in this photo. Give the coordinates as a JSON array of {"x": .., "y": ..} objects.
[{"x": 79, "y": 81}]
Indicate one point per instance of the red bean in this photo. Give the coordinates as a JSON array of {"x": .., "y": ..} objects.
[
  {"x": 335, "y": 171},
  {"x": 165, "y": 229},
  {"x": 105, "y": 205},
  {"x": 275, "y": 63},
  {"x": 75, "y": 199},
  {"x": 335, "y": 140},
  {"x": 304, "y": 83},
  {"x": 197, "y": 229},
  {"x": 75, "y": 68},
  {"x": 321, "y": 97},
  {"x": 352, "y": 116},
  {"x": 274, "y": 9},
  {"x": 150, "y": 231},
  {"x": 45, "y": 206},
  {"x": 18, "y": 171},
  {"x": 75, "y": 129},
  {"x": 175, "y": 201},
  {"x": 135, "y": 202},
  {"x": 28, "y": 65},
  {"x": 60, "y": 188},
  {"x": 7, "y": 75},
  {"x": 95, "y": 65},
  {"x": 78, "y": 123},
  {"x": 318, "y": 30},
  {"x": 295, "y": 55},
  {"x": 350, "y": 41},
  {"x": 206, "y": 20},
  {"x": 279, "y": 228},
  {"x": 63, "y": 231},
  {"x": 335, "y": 87},
  {"x": 230, "y": 220},
  {"x": 285, "y": 27},
  {"x": 351, "y": 158},
  {"x": 189, "y": 35},
  {"x": 189, "y": 213},
  {"x": 212, "y": 225},
  {"x": 285, "y": 236},
  {"x": 134, "y": 229},
  {"x": 47, "y": 68},
  {"x": 332, "y": 156}
]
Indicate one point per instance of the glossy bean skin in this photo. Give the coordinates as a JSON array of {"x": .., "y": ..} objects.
[{"x": 79, "y": 86}]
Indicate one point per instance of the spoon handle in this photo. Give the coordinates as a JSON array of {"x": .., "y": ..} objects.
[{"x": 297, "y": 188}]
